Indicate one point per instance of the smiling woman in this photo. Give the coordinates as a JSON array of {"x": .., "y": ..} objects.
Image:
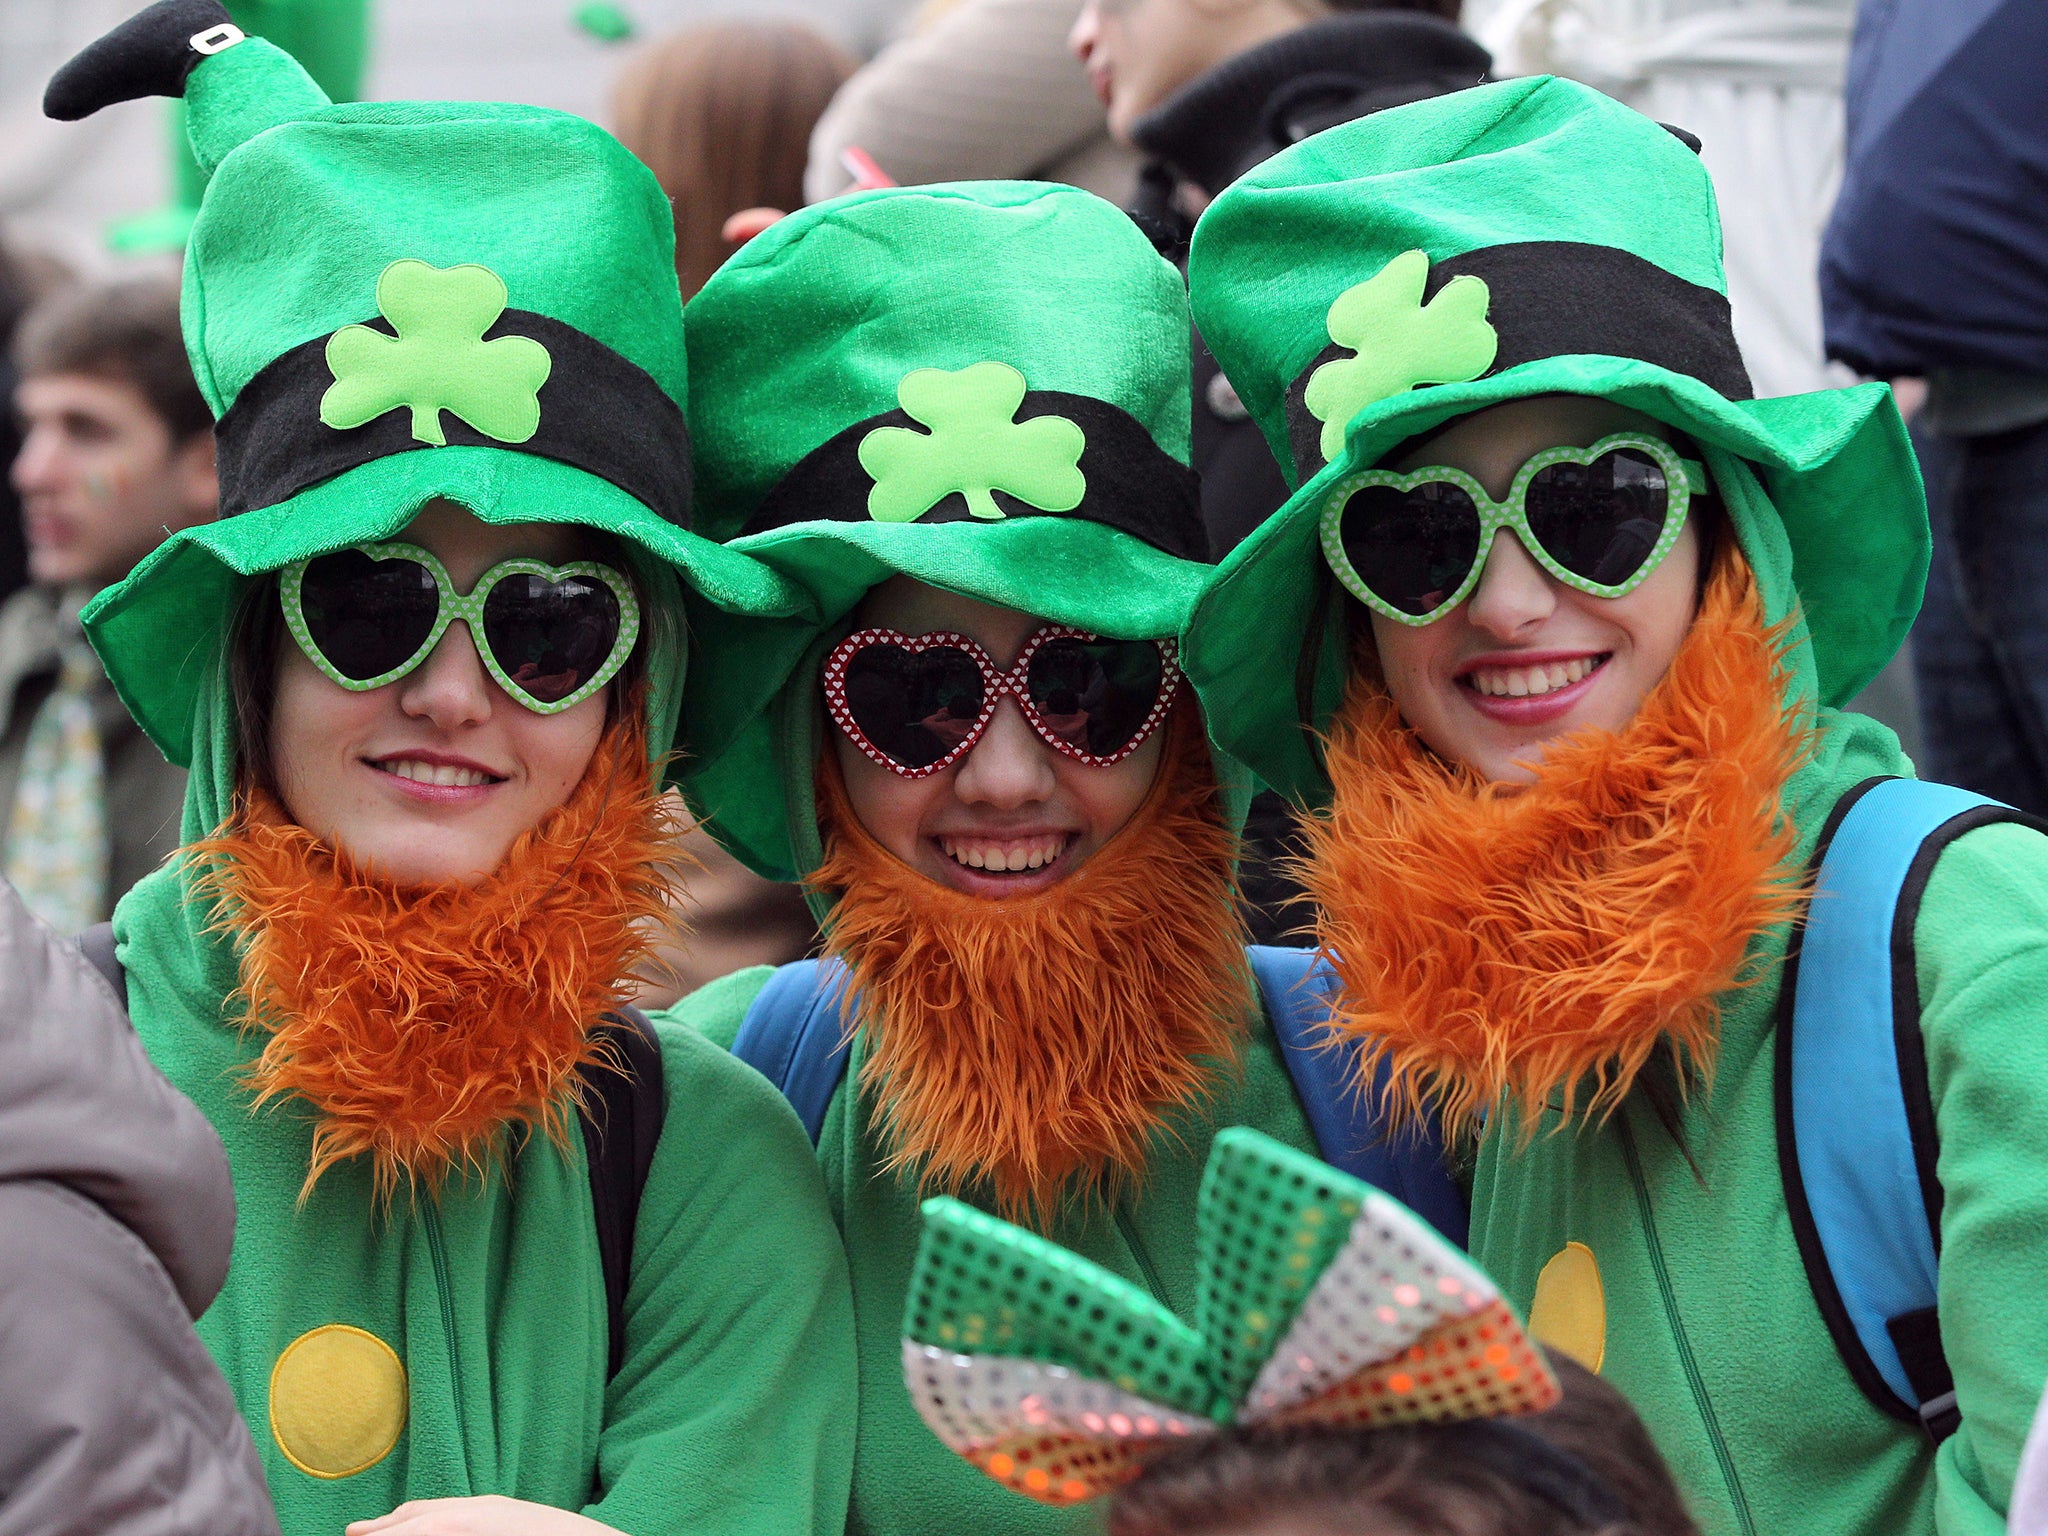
[
  {"x": 427, "y": 670},
  {"x": 1605, "y": 871},
  {"x": 1035, "y": 991}
]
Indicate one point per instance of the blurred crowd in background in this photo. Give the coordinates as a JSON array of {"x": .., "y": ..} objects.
[{"x": 1882, "y": 170}]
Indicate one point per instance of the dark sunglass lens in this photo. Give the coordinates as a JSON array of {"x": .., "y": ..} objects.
[
  {"x": 1600, "y": 520},
  {"x": 1412, "y": 548},
  {"x": 367, "y": 616},
  {"x": 1095, "y": 695},
  {"x": 550, "y": 637},
  {"x": 913, "y": 706}
]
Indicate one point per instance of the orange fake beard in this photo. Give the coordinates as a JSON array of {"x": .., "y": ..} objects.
[
  {"x": 419, "y": 1023},
  {"x": 1541, "y": 944},
  {"x": 1031, "y": 1047}
]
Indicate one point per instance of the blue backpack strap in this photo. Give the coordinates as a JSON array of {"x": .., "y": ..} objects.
[
  {"x": 794, "y": 1034},
  {"x": 1296, "y": 989},
  {"x": 1856, "y": 1132}
]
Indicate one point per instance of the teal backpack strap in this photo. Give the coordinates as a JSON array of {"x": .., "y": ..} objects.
[
  {"x": 1296, "y": 988},
  {"x": 794, "y": 1034},
  {"x": 1856, "y": 1131}
]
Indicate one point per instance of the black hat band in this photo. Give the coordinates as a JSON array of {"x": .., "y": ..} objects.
[
  {"x": 599, "y": 411},
  {"x": 1132, "y": 484},
  {"x": 1562, "y": 298}
]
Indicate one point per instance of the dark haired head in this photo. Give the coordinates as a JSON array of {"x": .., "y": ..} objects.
[
  {"x": 1585, "y": 1468},
  {"x": 124, "y": 333}
]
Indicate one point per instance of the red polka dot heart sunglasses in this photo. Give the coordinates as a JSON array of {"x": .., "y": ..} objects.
[{"x": 917, "y": 703}]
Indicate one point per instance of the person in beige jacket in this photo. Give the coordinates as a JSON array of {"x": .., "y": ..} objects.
[{"x": 979, "y": 90}]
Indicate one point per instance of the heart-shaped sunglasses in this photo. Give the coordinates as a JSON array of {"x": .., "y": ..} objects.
[
  {"x": 916, "y": 703},
  {"x": 1600, "y": 519},
  {"x": 550, "y": 635}
]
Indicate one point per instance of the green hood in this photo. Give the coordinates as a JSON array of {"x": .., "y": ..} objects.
[
  {"x": 1570, "y": 245},
  {"x": 983, "y": 386},
  {"x": 386, "y": 303}
]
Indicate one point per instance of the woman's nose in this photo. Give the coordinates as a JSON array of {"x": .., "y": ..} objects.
[
  {"x": 451, "y": 687},
  {"x": 1513, "y": 592},
  {"x": 1081, "y": 37},
  {"x": 1008, "y": 767}
]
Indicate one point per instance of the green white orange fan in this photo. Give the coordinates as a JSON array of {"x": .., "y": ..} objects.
[{"x": 1319, "y": 1300}]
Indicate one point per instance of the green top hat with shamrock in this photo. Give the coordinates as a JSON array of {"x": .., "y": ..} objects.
[
  {"x": 391, "y": 302},
  {"x": 1523, "y": 238},
  {"x": 1319, "y": 1301},
  {"x": 983, "y": 386}
]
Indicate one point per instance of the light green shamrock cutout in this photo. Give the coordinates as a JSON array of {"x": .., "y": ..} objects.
[
  {"x": 1400, "y": 342},
  {"x": 975, "y": 446},
  {"x": 439, "y": 359}
]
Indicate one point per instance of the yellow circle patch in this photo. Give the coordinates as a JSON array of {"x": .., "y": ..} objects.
[
  {"x": 337, "y": 1401},
  {"x": 1569, "y": 1312}
]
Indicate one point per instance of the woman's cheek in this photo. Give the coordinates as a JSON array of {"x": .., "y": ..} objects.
[
  {"x": 557, "y": 749},
  {"x": 890, "y": 808}
]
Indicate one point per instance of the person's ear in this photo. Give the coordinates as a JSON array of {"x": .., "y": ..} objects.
[{"x": 198, "y": 476}]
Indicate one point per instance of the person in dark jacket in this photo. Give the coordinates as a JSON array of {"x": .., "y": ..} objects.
[
  {"x": 119, "y": 1217},
  {"x": 1209, "y": 91},
  {"x": 1935, "y": 266}
]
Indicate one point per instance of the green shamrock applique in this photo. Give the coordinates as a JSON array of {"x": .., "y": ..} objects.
[
  {"x": 439, "y": 360},
  {"x": 975, "y": 446},
  {"x": 1400, "y": 342}
]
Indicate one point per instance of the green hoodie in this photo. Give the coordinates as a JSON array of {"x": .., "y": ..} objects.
[
  {"x": 1592, "y": 237},
  {"x": 457, "y": 1343},
  {"x": 812, "y": 328}
]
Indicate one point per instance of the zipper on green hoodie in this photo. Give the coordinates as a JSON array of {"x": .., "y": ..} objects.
[
  {"x": 1691, "y": 1367},
  {"x": 1129, "y": 1232},
  {"x": 437, "y": 1250}
]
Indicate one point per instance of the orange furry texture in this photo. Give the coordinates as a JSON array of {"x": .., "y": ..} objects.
[
  {"x": 1538, "y": 945},
  {"x": 419, "y": 1023},
  {"x": 1032, "y": 1047}
]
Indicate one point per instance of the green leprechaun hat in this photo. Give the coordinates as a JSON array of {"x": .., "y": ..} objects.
[
  {"x": 1523, "y": 238},
  {"x": 983, "y": 386},
  {"x": 391, "y": 302},
  {"x": 1319, "y": 1300}
]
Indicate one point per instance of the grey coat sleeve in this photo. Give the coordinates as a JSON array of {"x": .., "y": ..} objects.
[
  {"x": 117, "y": 1219},
  {"x": 113, "y": 1418}
]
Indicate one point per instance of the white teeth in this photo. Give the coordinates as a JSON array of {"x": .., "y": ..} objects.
[
  {"x": 1531, "y": 682},
  {"x": 441, "y": 775},
  {"x": 1034, "y": 853}
]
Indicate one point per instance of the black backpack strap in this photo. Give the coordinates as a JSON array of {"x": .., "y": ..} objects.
[
  {"x": 624, "y": 1100},
  {"x": 97, "y": 945}
]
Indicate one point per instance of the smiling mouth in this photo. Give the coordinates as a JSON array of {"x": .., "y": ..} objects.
[
  {"x": 1006, "y": 855},
  {"x": 1533, "y": 681},
  {"x": 439, "y": 775}
]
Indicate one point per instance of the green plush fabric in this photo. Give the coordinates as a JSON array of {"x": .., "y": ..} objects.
[
  {"x": 1479, "y": 171},
  {"x": 813, "y": 324},
  {"x": 733, "y": 1410},
  {"x": 942, "y": 305},
  {"x": 905, "y": 1481},
  {"x": 315, "y": 214}
]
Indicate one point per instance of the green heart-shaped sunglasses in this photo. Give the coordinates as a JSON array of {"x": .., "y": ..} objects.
[
  {"x": 1599, "y": 519},
  {"x": 549, "y": 635}
]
